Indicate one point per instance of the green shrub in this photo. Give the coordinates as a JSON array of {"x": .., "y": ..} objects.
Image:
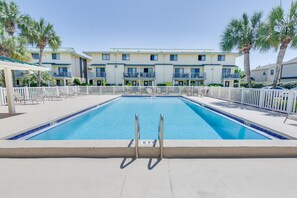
[
  {"x": 215, "y": 85},
  {"x": 76, "y": 81}
]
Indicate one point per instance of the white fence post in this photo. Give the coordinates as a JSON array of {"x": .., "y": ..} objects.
[
  {"x": 27, "y": 96},
  {"x": 290, "y": 101},
  {"x": 87, "y": 89},
  {"x": 262, "y": 97},
  {"x": 57, "y": 91},
  {"x": 1, "y": 96},
  {"x": 241, "y": 97}
]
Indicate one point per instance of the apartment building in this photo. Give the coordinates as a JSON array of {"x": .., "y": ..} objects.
[
  {"x": 65, "y": 65},
  {"x": 266, "y": 73},
  {"x": 146, "y": 67}
]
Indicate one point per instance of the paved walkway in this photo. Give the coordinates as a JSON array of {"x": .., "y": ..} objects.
[
  {"x": 178, "y": 178},
  {"x": 266, "y": 118},
  {"x": 32, "y": 115}
]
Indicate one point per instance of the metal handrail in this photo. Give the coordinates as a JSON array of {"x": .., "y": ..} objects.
[
  {"x": 137, "y": 135},
  {"x": 161, "y": 135}
]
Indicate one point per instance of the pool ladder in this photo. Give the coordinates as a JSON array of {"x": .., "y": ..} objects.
[{"x": 160, "y": 135}]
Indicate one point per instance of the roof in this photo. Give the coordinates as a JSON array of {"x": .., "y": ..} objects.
[
  {"x": 49, "y": 63},
  {"x": 160, "y": 51},
  {"x": 292, "y": 61},
  {"x": 59, "y": 50},
  {"x": 19, "y": 65},
  {"x": 264, "y": 67}
]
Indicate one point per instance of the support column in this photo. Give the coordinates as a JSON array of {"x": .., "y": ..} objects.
[{"x": 9, "y": 91}]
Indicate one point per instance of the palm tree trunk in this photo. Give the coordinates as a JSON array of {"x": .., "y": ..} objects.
[
  {"x": 40, "y": 63},
  {"x": 246, "y": 63},
  {"x": 279, "y": 62}
]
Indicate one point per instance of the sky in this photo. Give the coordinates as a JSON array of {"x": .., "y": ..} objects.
[{"x": 91, "y": 25}]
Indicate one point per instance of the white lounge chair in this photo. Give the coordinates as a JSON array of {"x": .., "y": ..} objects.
[
  {"x": 50, "y": 96},
  {"x": 149, "y": 91},
  {"x": 291, "y": 117},
  {"x": 19, "y": 98}
]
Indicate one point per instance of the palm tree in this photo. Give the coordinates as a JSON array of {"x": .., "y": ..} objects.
[
  {"x": 10, "y": 21},
  {"x": 279, "y": 32},
  {"x": 241, "y": 34},
  {"x": 42, "y": 34}
]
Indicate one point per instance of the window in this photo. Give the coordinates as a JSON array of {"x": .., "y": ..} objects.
[
  {"x": 201, "y": 58},
  {"x": 126, "y": 57},
  {"x": 221, "y": 57},
  {"x": 148, "y": 70},
  {"x": 195, "y": 71},
  {"x": 179, "y": 70},
  {"x": 226, "y": 72},
  {"x": 154, "y": 57},
  {"x": 132, "y": 70},
  {"x": 35, "y": 55},
  {"x": 173, "y": 57},
  {"x": 264, "y": 73},
  {"x": 55, "y": 56},
  {"x": 105, "y": 57},
  {"x": 272, "y": 72}
]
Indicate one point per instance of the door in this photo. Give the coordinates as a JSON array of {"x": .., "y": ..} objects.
[
  {"x": 226, "y": 72},
  {"x": 180, "y": 83},
  {"x": 99, "y": 82},
  {"x": 179, "y": 72},
  {"x": 195, "y": 72},
  {"x": 132, "y": 72},
  {"x": 227, "y": 83},
  {"x": 62, "y": 71},
  {"x": 145, "y": 83}
]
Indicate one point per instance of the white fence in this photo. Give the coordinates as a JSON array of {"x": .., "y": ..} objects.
[{"x": 278, "y": 100}]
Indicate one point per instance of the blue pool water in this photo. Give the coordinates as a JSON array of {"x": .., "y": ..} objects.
[{"x": 183, "y": 120}]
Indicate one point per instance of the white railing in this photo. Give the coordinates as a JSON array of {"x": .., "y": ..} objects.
[{"x": 277, "y": 100}]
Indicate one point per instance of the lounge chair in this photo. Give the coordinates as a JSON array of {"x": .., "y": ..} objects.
[
  {"x": 291, "y": 117},
  {"x": 63, "y": 94},
  {"x": 19, "y": 98},
  {"x": 149, "y": 91},
  {"x": 50, "y": 96},
  {"x": 77, "y": 93}
]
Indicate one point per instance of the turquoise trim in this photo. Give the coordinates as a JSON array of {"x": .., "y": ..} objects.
[
  {"x": 6, "y": 59},
  {"x": 98, "y": 65}
]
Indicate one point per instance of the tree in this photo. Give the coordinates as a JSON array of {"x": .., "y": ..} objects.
[
  {"x": 31, "y": 79},
  {"x": 42, "y": 34},
  {"x": 11, "y": 20},
  {"x": 279, "y": 32},
  {"x": 242, "y": 34}
]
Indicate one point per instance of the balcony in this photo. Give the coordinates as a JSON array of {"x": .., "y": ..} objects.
[
  {"x": 235, "y": 75},
  {"x": 130, "y": 75},
  {"x": 198, "y": 76},
  {"x": 20, "y": 74},
  {"x": 181, "y": 75},
  {"x": 147, "y": 75},
  {"x": 61, "y": 74},
  {"x": 96, "y": 75}
]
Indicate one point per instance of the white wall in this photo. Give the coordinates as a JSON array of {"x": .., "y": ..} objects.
[
  {"x": 114, "y": 74},
  {"x": 164, "y": 73}
]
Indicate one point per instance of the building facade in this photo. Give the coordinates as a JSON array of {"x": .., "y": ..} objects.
[
  {"x": 65, "y": 65},
  {"x": 266, "y": 73},
  {"x": 149, "y": 67}
]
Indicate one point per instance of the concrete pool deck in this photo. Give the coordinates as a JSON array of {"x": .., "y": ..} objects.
[
  {"x": 147, "y": 178},
  {"x": 268, "y": 119},
  {"x": 32, "y": 115}
]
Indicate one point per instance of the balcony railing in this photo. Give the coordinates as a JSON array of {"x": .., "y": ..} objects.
[
  {"x": 147, "y": 75},
  {"x": 20, "y": 74},
  {"x": 181, "y": 75},
  {"x": 197, "y": 76},
  {"x": 61, "y": 74},
  {"x": 235, "y": 75},
  {"x": 130, "y": 75},
  {"x": 97, "y": 75}
]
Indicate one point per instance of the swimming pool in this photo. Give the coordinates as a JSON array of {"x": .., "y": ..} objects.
[{"x": 184, "y": 120}]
